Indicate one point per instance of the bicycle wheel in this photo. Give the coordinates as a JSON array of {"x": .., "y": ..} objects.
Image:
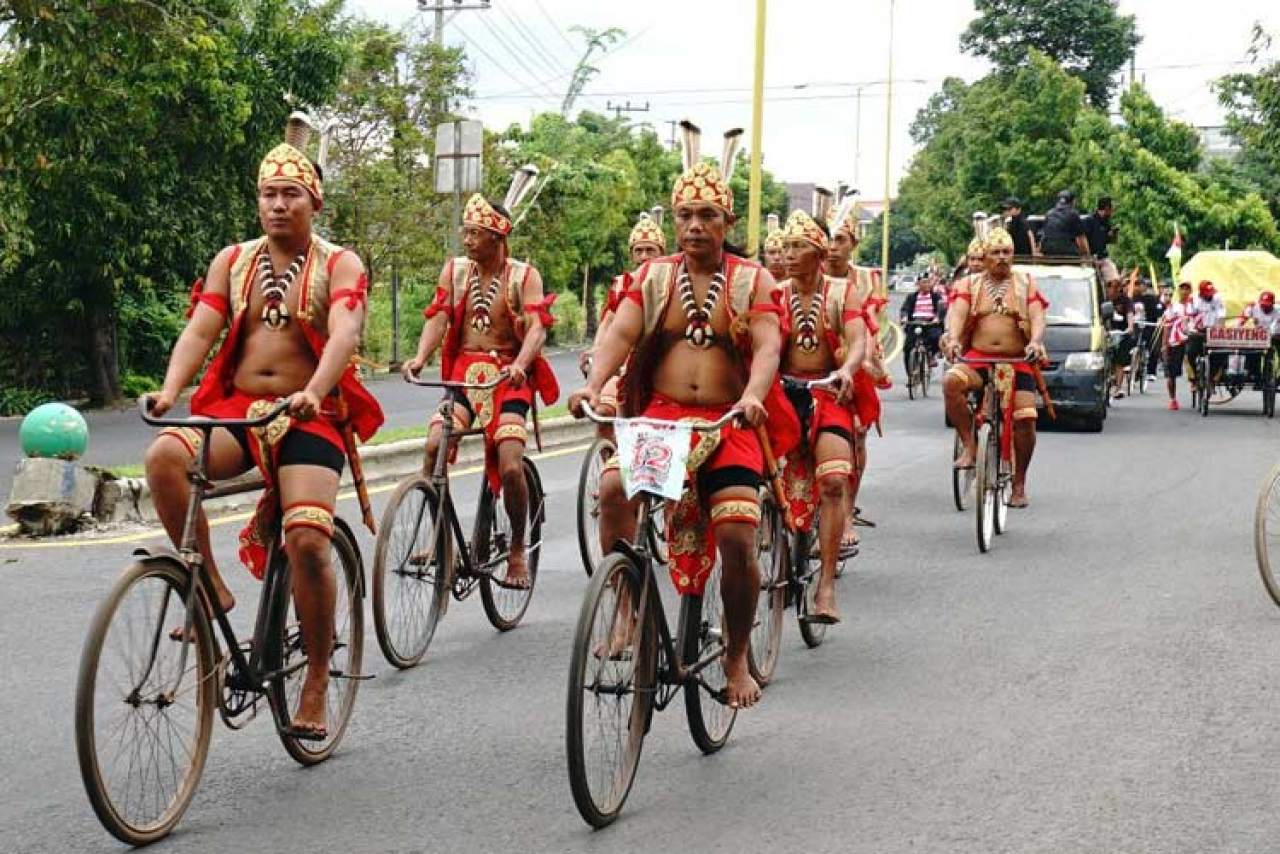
[
  {"x": 703, "y": 636},
  {"x": 409, "y": 578},
  {"x": 505, "y": 606},
  {"x": 1141, "y": 355},
  {"x": 1266, "y": 533},
  {"x": 924, "y": 373},
  {"x": 806, "y": 571},
  {"x": 986, "y": 496},
  {"x": 1205, "y": 382},
  {"x": 961, "y": 480},
  {"x": 589, "y": 546},
  {"x": 289, "y": 658},
  {"x": 1268, "y": 387},
  {"x": 766, "y": 630},
  {"x": 611, "y": 690},
  {"x": 910, "y": 357},
  {"x": 1004, "y": 488},
  {"x": 144, "y": 704}
]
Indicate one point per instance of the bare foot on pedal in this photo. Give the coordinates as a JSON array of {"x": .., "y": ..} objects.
[
  {"x": 740, "y": 690},
  {"x": 518, "y": 576},
  {"x": 966, "y": 459},
  {"x": 825, "y": 610},
  {"x": 1018, "y": 499},
  {"x": 309, "y": 723}
]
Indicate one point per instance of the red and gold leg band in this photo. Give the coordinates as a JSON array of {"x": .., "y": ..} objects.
[
  {"x": 313, "y": 516},
  {"x": 510, "y": 433},
  {"x": 835, "y": 468},
  {"x": 1026, "y": 413},
  {"x": 745, "y": 510},
  {"x": 191, "y": 438},
  {"x": 611, "y": 464}
]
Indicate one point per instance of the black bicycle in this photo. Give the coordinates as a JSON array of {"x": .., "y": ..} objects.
[
  {"x": 790, "y": 563},
  {"x": 993, "y": 467},
  {"x": 625, "y": 664},
  {"x": 918, "y": 370},
  {"x": 1136, "y": 373},
  {"x": 145, "y": 696},
  {"x": 422, "y": 555}
]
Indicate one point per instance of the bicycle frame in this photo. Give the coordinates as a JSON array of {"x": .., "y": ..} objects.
[
  {"x": 463, "y": 568},
  {"x": 674, "y": 675},
  {"x": 244, "y": 673}
]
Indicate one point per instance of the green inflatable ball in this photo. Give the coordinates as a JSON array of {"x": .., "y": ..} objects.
[{"x": 54, "y": 430}]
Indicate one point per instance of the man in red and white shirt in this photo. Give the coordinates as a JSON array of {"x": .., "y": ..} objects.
[
  {"x": 1179, "y": 319},
  {"x": 1262, "y": 315},
  {"x": 922, "y": 310}
]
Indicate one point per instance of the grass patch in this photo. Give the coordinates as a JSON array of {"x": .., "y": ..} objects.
[{"x": 127, "y": 471}]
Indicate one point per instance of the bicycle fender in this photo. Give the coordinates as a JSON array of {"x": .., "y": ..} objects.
[
  {"x": 341, "y": 524},
  {"x": 160, "y": 554}
]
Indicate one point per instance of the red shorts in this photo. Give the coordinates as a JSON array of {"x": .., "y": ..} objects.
[
  {"x": 729, "y": 457},
  {"x": 487, "y": 406}
]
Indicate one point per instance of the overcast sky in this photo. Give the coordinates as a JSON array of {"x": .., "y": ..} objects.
[{"x": 693, "y": 58}]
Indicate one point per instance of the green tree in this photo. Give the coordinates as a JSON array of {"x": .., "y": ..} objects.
[
  {"x": 1090, "y": 39},
  {"x": 905, "y": 244},
  {"x": 1174, "y": 142},
  {"x": 1252, "y": 101},
  {"x": 133, "y": 130}
]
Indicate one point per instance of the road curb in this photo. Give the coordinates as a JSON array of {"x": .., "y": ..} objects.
[{"x": 380, "y": 463}]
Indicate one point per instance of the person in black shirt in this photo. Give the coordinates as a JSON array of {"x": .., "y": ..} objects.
[
  {"x": 1099, "y": 232},
  {"x": 1147, "y": 308},
  {"x": 1024, "y": 240},
  {"x": 1120, "y": 321},
  {"x": 1063, "y": 234}
]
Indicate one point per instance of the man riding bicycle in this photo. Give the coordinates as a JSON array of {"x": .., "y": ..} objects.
[
  {"x": 827, "y": 337},
  {"x": 923, "y": 309},
  {"x": 290, "y": 335},
  {"x": 998, "y": 314},
  {"x": 490, "y": 315},
  {"x": 705, "y": 329}
]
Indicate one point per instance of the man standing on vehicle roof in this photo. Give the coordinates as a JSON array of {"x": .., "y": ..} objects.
[
  {"x": 999, "y": 314},
  {"x": 826, "y": 337},
  {"x": 291, "y": 336},
  {"x": 490, "y": 315},
  {"x": 1024, "y": 240},
  {"x": 1063, "y": 235},
  {"x": 1099, "y": 233},
  {"x": 705, "y": 328}
]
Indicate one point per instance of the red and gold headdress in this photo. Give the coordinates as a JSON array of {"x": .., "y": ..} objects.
[
  {"x": 705, "y": 182},
  {"x": 976, "y": 247},
  {"x": 801, "y": 226},
  {"x": 773, "y": 236},
  {"x": 648, "y": 230},
  {"x": 997, "y": 237},
  {"x": 845, "y": 218},
  {"x": 480, "y": 213},
  {"x": 287, "y": 162}
]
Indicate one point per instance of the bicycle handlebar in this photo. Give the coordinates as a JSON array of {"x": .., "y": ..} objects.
[
  {"x": 697, "y": 426},
  {"x": 201, "y": 422},
  {"x": 502, "y": 377},
  {"x": 828, "y": 381}
]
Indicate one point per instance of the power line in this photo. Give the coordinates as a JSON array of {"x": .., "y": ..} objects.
[
  {"x": 500, "y": 66},
  {"x": 540, "y": 52},
  {"x": 555, "y": 26},
  {"x": 526, "y": 87},
  {"x": 513, "y": 53},
  {"x": 729, "y": 89}
]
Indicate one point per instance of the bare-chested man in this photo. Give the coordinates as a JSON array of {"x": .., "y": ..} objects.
[
  {"x": 839, "y": 265},
  {"x": 827, "y": 336},
  {"x": 772, "y": 253},
  {"x": 491, "y": 316},
  {"x": 645, "y": 243},
  {"x": 997, "y": 314},
  {"x": 706, "y": 333},
  {"x": 291, "y": 335}
]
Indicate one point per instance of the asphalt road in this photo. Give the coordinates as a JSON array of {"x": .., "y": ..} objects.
[{"x": 1100, "y": 682}]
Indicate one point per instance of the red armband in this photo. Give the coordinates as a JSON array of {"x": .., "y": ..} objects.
[
  {"x": 439, "y": 304},
  {"x": 868, "y": 318},
  {"x": 542, "y": 310},
  {"x": 217, "y": 302},
  {"x": 964, "y": 295},
  {"x": 358, "y": 295},
  {"x": 1038, "y": 297}
]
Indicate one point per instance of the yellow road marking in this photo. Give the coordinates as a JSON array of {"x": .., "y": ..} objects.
[{"x": 346, "y": 495}]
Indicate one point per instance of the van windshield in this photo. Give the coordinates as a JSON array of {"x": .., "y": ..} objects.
[{"x": 1070, "y": 299}]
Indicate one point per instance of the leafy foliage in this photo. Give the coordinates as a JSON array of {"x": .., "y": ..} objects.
[
  {"x": 1032, "y": 134},
  {"x": 1252, "y": 100},
  {"x": 1090, "y": 39}
]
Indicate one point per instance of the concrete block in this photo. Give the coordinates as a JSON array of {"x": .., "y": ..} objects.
[{"x": 49, "y": 496}]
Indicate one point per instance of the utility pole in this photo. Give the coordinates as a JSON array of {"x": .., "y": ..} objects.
[
  {"x": 673, "y": 124},
  {"x": 619, "y": 109},
  {"x": 757, "y": 130}
]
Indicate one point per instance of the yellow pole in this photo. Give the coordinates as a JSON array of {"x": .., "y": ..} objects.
[
  {"x": 757, "y": 131},
  {"x": 888, "y": 149}
]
